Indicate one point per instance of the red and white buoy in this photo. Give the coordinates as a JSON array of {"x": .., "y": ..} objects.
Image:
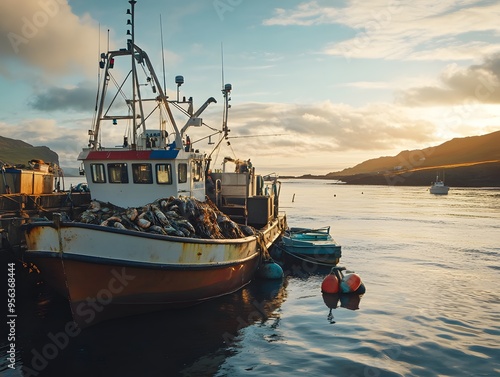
[{"x": 350, "y": 283}]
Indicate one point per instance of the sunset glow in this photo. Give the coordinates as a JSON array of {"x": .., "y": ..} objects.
[{"x": 331, "y": 85}]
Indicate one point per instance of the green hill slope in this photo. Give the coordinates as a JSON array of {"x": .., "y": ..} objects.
[
  {"x": 15, "y": 152},
  {"x": 468, "y": 150}
]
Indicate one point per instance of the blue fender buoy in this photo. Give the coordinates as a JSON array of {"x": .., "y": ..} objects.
[
  {"x": 270, "y": 270},
  {"x": 361, "y": 290}
]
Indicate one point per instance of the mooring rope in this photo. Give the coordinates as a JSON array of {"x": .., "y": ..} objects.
[
  {"x": 263, "y": 248},
  {"x": 306, "y": 259}
]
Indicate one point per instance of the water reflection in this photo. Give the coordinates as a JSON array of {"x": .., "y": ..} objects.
[
  {"x": 191, "y": 341},
  {"x": 300, "y": 268},
  {"x": 349, "y": 301}
]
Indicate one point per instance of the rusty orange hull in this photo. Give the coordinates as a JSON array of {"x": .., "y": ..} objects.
[
  {"x": 106, "y": 272},
  {"x": 99, "y": 291}
]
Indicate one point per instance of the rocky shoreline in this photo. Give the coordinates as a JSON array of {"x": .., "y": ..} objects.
[{"x": 479, "y": 175}]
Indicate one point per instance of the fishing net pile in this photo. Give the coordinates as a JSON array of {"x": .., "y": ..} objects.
[{"x": 181, "y": 217}]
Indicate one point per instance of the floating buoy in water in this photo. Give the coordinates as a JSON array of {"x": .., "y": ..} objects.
[
  {"x": 361, "y": 290},
  {"x": 330, "y": 284},
  {"x": 331, "y": 300},
  {"x": 350, "y": 283},
  {"x": 350, "y": 302},
  {"x": 270, "y": 270}
]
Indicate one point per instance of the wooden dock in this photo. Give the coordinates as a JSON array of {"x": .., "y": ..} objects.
[{"x": 18, "y": 209}]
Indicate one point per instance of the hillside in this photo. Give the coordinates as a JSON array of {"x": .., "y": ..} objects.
[
  {"x": 467, "y": 150},
  {"x": 470, "y": 161},
  {"x": 15, "y": 152}
]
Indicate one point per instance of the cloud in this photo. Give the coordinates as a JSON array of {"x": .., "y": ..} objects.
[
  {"x": 317, "y": 138},
  {"x": 66, "y": 141},
  {"x": 306, "y": 14},
  {"x": 274, "y": 135},
  {"x": 80, "y": 98},
  {"x": 46, "y": 34},
  {"x": 456, "y": 85},
  {"x": 405, "y": 29},
  {"x": 369, "y": 85},
  {"x": 327, "y": 126}
]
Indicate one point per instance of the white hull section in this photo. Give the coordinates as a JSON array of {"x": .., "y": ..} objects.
[
  {"x": 128, "y": 272},
  {"x": 439, "y": 190},
  {"x": 99, "y": 242}
]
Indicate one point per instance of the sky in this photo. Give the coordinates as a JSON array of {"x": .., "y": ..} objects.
[{"x": 318, "y": 86}]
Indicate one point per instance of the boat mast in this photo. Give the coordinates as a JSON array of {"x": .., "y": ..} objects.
[
  {"x": 139, "y": 56},
  {"x": 162, "y": 95},
  {"x": 131, "y": 48},
  {"x": 226, "y": 92}
]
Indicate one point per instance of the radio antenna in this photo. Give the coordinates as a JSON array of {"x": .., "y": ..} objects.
[
  {"x": 163, "y": 57},
  {"x": 222, "y": 63}
]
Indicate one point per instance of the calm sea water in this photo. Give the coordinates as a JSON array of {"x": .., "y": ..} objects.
[{"x": 430, "y": 265}]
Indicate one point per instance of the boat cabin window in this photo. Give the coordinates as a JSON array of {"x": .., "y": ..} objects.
[
  {"x": 182, "y": 173},
  {"x": 142, "y": 173},
  {"x": 196, "y": 171},
  {"x": 118, "y": 173},
  {"x": 164, "y": 174},
  {"x": 98, "y": 173}
]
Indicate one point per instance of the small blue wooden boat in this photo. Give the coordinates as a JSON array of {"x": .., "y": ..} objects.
[{"x": 312, "y": 245}]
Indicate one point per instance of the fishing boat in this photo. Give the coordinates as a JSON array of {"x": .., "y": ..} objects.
[
  {"x": 152, "y": 237},
  {"x": 311, "y": 245},
  {"x": 438, "y": 187}
]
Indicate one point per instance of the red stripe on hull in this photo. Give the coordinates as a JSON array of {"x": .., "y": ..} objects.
[{"x": 118, "y": 155}]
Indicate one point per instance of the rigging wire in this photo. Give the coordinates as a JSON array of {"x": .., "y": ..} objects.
[
  {"x": 119, "y": 91},
  {"x": 185, "y": 112},
  {"x": 245, "y": 136},
  {"x": 232, "y": 150},
  {"x": 144, "y": 70},
  {"x": 217, "y": 156},
  {"x": 147, "y": 116},
  {"x": 128, "y": 129},
  {"x": 222, "y": 64}
]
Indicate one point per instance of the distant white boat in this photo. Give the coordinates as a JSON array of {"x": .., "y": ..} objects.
[{"x": 438, "y": 187}]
